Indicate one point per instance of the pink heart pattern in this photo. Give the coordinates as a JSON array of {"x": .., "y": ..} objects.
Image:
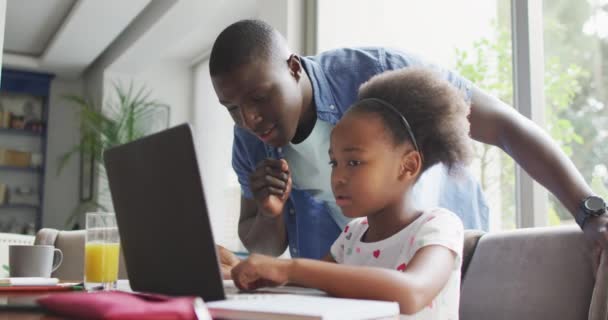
[
  {"x": 402, "y": 267},
  {"x": 376, "y": 253},
  {"x": 346, "y": 229},
  {"x": 358, "y": 250}
]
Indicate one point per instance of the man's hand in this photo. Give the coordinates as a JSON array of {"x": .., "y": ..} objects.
[
  {"x": 260, "y": 271},
  {"x": 227, "y": 261},
  {"x": 271, "y": 186}
]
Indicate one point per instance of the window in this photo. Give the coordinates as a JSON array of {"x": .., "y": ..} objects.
[
  {"x": 576, "y": 89},
  {"x": 472, "y": 38}
]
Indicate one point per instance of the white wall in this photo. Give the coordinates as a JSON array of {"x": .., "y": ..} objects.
[
  {"x": 288, "y": 17},
  {"x": 2, "y": 22},
  {"x": 61, "y": 192},
  {"x": 168, "y": 81}
]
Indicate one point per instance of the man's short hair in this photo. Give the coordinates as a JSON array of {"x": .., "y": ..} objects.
[{"x": 240, "y": 43}]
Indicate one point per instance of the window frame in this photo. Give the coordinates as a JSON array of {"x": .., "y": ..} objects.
[{"x": 528, "y": 97}]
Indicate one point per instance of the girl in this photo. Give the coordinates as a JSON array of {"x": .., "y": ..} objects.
[{"x": 404, "y": 122}]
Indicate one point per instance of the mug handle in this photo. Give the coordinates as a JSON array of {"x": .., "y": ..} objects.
[{"x": 57, "y": 259}]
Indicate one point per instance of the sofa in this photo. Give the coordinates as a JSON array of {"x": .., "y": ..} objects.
[{"x": 536, "y": 273}]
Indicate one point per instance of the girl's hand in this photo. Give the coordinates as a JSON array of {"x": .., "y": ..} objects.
[
  {"x": 271, "y": 186},
  {"x": 227, "y": 261},
  {"x": 260, "y": 271}
]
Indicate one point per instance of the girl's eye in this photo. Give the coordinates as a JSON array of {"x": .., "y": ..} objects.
[
  {"x": 354, "y": 163},
  {"x": 333, "y": 163}
]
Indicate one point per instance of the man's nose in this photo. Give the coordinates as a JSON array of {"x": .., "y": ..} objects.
[{"x": 251, "y": 117}]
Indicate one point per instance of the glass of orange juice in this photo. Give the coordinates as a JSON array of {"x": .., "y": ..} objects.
[{"x": 102, "y": 248}]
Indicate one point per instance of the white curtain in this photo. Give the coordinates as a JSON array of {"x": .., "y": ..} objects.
[{"x": 213, "y": 129}]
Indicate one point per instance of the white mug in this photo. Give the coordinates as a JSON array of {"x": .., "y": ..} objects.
[{"x": 33, "y": 260}]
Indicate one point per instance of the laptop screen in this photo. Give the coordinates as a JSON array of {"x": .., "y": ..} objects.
[{"x": 162, "y": 218}]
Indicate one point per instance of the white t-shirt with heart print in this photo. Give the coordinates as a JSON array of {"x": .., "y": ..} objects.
[{"x": 435, "y": 226}]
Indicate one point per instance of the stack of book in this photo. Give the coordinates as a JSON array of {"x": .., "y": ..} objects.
[
  {"x": 3, "y": 193},
  {"x": 15, "y": 158}
]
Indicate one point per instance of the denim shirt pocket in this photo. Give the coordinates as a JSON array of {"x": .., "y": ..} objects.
[{"x": 315, "y": 229}]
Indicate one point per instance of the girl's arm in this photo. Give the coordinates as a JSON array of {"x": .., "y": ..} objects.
[{"x": 425, "y": 276}]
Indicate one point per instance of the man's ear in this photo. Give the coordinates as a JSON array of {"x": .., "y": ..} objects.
[
  {"x": 295, "y": 66},
  {"x": 411, "y": 165}
]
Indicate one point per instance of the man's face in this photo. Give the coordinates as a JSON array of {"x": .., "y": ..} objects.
[{"x": 263, "y": 97}]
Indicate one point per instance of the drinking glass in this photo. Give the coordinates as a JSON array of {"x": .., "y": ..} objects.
[{"x": 102, "y": 248}]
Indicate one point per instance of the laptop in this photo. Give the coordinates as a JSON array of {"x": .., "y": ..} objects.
[{"x": 167, "y": 240}]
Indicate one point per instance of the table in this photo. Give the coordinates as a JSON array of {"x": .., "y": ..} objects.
[
  {"x": 23, "y": 298},
  {"x": 28, "y": 298}
]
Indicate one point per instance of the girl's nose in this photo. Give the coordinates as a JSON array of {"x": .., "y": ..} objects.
[{"x": 338, "y": 179}]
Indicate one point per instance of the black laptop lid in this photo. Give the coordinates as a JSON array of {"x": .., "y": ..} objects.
[{"x": 162, "y": 216}]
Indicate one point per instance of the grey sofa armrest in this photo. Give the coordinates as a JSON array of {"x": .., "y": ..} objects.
[{"x": 538, "y": 273}]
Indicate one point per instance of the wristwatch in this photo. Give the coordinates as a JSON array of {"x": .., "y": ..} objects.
[{"x": 592, "y": 206}]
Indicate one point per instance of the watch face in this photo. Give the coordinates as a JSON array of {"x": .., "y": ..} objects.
[{"x": 595, "y": 204}]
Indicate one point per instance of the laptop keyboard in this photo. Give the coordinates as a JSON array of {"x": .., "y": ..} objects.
[{"x": 250, "y": 296}]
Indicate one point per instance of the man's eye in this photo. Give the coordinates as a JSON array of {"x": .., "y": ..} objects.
[
  {"x": 354, "y": 163},
  {"x": 232, "y": 109},
  {"x": 259, "y": 98},
  {"x": 333, "y": 163}
]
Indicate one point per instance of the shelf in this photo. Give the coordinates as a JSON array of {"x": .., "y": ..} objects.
[
  {"x": 24, "y": 169},
  {"x": 18, "y": 206},
  {"x": 20, "y": 132}
]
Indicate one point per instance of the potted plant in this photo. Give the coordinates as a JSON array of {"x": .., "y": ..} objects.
[{"x": 128, "y": 117}]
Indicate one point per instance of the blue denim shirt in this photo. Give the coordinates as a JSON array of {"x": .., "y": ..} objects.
[{"x": 336, "y": 76}]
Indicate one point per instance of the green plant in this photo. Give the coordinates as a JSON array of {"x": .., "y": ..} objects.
[{"x": 128, "y": 117}]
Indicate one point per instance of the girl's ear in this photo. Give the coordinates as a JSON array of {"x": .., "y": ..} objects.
[
  {"x": 411, "y": 165},
  {"x": 295, "y": 66}
]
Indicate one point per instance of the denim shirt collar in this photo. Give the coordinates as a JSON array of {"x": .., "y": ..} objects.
[
  {"x": 321, "y": 91},
  {"x": 326, "y": 107}
]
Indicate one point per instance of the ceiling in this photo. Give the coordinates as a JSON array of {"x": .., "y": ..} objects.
[
  {"x": 34, "y": 24},
  {"x": 65, "y": 37}
]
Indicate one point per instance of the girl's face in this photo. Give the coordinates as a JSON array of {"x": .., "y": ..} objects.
[{"x": 366, "y": 165}]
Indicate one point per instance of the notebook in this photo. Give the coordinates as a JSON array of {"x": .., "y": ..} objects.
[
  {"x": 167, "y": 241},
  {"x": 294, "y": 307}
]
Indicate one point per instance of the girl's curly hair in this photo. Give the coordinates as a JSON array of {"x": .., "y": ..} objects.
[{"x": 435, "y": 110}]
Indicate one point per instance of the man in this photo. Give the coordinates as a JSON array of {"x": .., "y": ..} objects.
[{"x": 284, "y": 107}]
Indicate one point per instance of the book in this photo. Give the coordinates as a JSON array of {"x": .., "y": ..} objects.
[
  {"x": 28, "y": 281},
  {"x": 36, "y": 284}
]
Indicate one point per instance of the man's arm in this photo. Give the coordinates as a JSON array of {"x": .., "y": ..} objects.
[
  {"x": 495, "y": 123},
  {"x": 261, "y": 233}
]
